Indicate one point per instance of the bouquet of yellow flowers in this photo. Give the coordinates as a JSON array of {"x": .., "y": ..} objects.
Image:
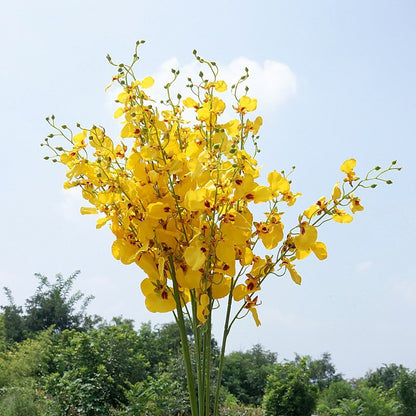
[{"x": 178, "y": 197}]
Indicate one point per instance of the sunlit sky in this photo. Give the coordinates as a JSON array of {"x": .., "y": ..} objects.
[{"x": 334, "y": 80}]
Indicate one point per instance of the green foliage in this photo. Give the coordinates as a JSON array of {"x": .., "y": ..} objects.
[
  {"x": 51, "y": 305},
  {"x": 13, "y": 322},
  {"x": 232, "y": 407},
  {"x": 92, "y": 371},
  {"x": 405, "y": 389},
  {"x": 245, "y": 374},
  {"x": 362, "y": 401},
  {"x": 158, "y": 345},
  {"x": 113, "y": 369},
  {"x": 289, "y": 391},
  {"x": 22, "y": 364},
  {"x": 385, "y": 376},
  {"x": 334, "y": 394},
  {"x": 22, "y": 368},
  {"x": 25, "y": 401},
  {"x": 321, "y": 371},
  {"x": 369, "y": 401},
  {"x": 162, "y": 395}
]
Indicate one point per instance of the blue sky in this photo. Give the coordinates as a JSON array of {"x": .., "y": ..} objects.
[{"x": 335, "y": 79}]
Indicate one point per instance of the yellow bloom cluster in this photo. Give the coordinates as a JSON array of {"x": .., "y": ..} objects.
[{"x": 177, "y": 197}]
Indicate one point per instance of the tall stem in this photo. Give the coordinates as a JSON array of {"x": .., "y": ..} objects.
[
  {"x": 224, "y": 342},
  {"x": 207, "y": 359},
  {"x": 185, "y": 346}
]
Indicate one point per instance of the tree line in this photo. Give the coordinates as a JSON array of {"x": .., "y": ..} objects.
[{"x": 55, "y": 359}]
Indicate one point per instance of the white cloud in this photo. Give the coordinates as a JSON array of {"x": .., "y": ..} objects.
[
  {"x": 272, "y": 83},
  {"x": 365, "y": 266},
  {"x": 407, "y": 289},
  {"x": 274, "y": 317}
]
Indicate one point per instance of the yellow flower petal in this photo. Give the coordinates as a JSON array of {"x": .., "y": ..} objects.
[
  {"x": 336, "y": 192},
  {"x": 147, "y": 82},
  {"x": 255, "y": 316},
  {"x": 194, "y": 257},
  {"x": 239, "y": 292},
  {"x": 88, "y": 210},
  {"x": 119, "y": 112},
  {"x": 348, "y": 165},
  {"x": 306, "y": 238},
  {"x": 190, "y": 103},
  {"x": 319, "y": 250},
  {"x": 220, "y": 86}
]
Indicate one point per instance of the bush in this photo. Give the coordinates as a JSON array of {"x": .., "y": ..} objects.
[{"x": 289, "y": 391}]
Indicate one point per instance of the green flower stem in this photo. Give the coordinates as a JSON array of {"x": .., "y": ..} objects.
[
  {"x": 224, "y": 342},
  {"x": 207, "y": 359},
  {"x": 184, "y": 341},
  {"x": 198, "y": 360}
]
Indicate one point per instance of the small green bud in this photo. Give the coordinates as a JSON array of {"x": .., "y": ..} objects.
[
  {"x": 46, "y": 157},
  {"x": 54, "y": 160},
  {"x": 232, "y": 150},
  {"x": 64, "y": 126},
  {"x": 377, "y": 168},
  {"x": 373, "y": 185},
  {"x": 394, "y": 162},
  {"x": 52, "y": 117},
  {"x": 389, "y": 182}
]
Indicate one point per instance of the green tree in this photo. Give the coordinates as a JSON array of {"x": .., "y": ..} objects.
[
  {"x": 334, "y": 394},
  {"x": 289, "y": 391},
  {"x": 53, "y": 304},
  {"x": 157, "y": 396},
  {"x": 368, "y": 401},
  {"x": 385, "y": 376},
  {"x": 405, "y": 389},
  {"x": 22, "y": 367},
  {"x": 93, "y": 370},
  {"x": 322, "y": 370},
  {"x": 13, "y": 320},
  {"x": 245, "y": 374}
]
